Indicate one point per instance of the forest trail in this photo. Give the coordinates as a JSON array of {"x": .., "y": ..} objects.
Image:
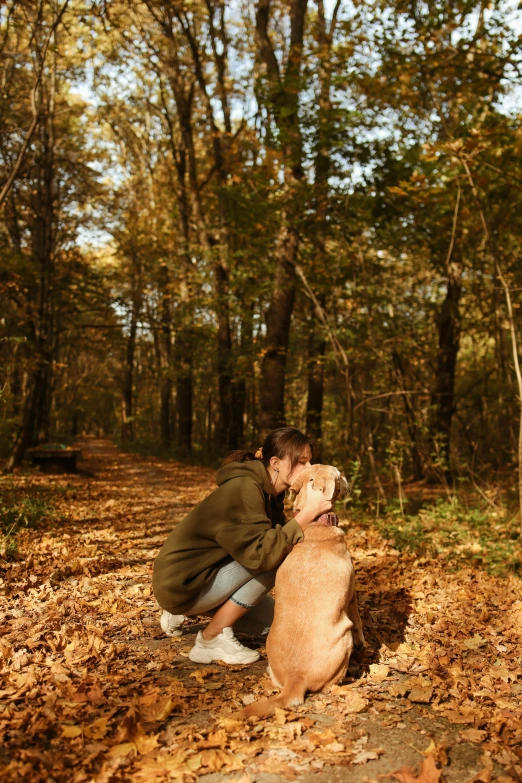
[{"x": 91, "y": 690}]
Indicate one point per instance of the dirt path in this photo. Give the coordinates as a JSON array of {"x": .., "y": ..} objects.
[{"x": 90, "y": 689}]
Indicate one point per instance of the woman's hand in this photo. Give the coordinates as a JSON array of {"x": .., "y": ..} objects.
[{"x": 316, "y": 504}]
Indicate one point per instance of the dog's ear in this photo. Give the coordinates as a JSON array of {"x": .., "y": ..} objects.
[
  {"x": 325, "y": 479},
  {"x": 344, "y": 487},
  {"x": 340, "y": 486},
  {"x": 330, "y": 490}
]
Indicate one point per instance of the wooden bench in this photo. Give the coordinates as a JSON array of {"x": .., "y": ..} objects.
[{"x": 54, "y": 458}]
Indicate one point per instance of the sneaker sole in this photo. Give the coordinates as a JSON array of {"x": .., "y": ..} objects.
[{"x": 200, "y": 656}]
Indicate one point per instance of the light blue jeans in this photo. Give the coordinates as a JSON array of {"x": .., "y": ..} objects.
[{"x": 244, "y": 589}]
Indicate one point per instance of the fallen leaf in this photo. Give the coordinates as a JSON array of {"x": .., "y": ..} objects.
[
  {"x": 506, "y": 757},
  {"x": 130, "y": 725},
  {"x": 405, "y": 649},
  {"x": 420, "y": 695},
  {"x": 398, "y": 688},
  {"x": 97, "y": 730},
  {"x": 230, "y": 724},
  {"x": 193, "y": 763},
  {"x": 473, "y": 735},
  {"x": 378, "y": 672},
  {"x": 216, "y": 760},
  {"x": 216, "y": 739},
  {"x": 428, "y": 773},
  {"x": 166, "y": 707},
  {"x": 71, "y": 731},
  {"x": 458, "y": 718},
  {"x": 438, "y": 752},
  {"x": 484, "y": 776},
  {"x": 121, "y": 750},
  {"x": 200, "y": 675},
  {"x": 321, "y": 738},
  {"x": 506, "y": 704},
  {"x": 474, "y": 643},
  {"x": 353, "y": 701},
  {"x": 146, "y": 742},
  {"x": 364, "y": 756},
  {"x": 334, "y": 747}
]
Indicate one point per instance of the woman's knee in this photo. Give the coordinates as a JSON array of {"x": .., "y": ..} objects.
[
  {"x": 267, "y": 578},
  {"x": 254, "y": 590}
]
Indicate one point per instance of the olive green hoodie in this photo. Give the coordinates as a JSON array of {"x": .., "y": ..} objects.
[{"x": 240, "y": 519}]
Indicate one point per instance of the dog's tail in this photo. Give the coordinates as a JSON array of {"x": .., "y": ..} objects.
[{"x": 292, "y": 695}]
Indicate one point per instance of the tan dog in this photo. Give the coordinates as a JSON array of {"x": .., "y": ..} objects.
[{"x": 311, "y": 637}]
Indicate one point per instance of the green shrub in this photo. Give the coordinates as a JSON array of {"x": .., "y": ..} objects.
[
  {"x": 462, "y": 534},
  {"x": 17, "y": 513}
]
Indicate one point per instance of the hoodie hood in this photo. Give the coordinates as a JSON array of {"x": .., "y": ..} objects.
[{"x": 253, "y": 469}]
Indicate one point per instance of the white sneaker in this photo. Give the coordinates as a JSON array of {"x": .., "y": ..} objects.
[
  {"x": 171, "y": 623},
  {"x": 224, "y": 647}
]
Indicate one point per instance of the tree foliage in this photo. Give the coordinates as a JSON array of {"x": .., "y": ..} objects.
[{"x": 220, "y": 217}]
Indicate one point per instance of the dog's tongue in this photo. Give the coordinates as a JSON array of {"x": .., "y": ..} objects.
[{"x": 328, "y": 519}]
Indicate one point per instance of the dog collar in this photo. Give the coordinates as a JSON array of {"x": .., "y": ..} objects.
[{"x": 330, "y": 519}]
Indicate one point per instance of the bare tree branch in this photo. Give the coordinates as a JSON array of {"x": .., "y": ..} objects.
[
  {"x": 36, "y": 116},
  {"x": 263, "y": 41}
]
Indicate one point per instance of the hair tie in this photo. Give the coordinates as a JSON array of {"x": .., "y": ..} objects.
[{"x": 259, "y": 453}]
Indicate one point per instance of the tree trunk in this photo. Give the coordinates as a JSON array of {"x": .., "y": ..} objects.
[
  {"x": 209, "y": 243},
  {"x": 417, "y": 461},
  {"x": 278, "y": 318},
  {"x": 315, "y": 371},
  {"x": 214, "y": 244},
  {"x": 244, "y": 374},
  {"x": 26, "y": 434},
  {"x": 127, "y": 404},
  {"x": 284, "y": 90},
  {"x": 314, "y": 403},
  {"x": 75, "y": 424},
  {"x": 316, "y": 340},
  {"x": 185, "y": 338},
  {"x": 184, "y": 359},
  {"x": 43, "y": 253},
  {"x": 42, "y": 426},
  {"x": 166, "y": 362},
  {"x": 239, "y": 397},
  {"x": 184, "y": 342},
  {"x": 444, "y": 393},
  {"x": 37, "y": 401},
  {"x": 165, "y": 412},
  {"x": 224, "y": 430}
]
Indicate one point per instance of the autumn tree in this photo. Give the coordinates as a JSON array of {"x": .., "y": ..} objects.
[
  {"x": 442, "y": 78},
  {"x": 46, "y": 179}
]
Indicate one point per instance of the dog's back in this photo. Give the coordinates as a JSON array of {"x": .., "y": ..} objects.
[{"x": 310, "y": 641}]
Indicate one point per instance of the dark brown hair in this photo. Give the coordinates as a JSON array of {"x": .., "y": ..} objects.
[
  {"x": 239, "y": 455},
  {"x": 283, "y": 442}
]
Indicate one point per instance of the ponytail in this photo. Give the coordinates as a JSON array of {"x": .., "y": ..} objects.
[{"x": 239, "y": 455}]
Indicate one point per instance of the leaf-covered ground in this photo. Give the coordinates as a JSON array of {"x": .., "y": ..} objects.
[{"x": 90, "y": 689}]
